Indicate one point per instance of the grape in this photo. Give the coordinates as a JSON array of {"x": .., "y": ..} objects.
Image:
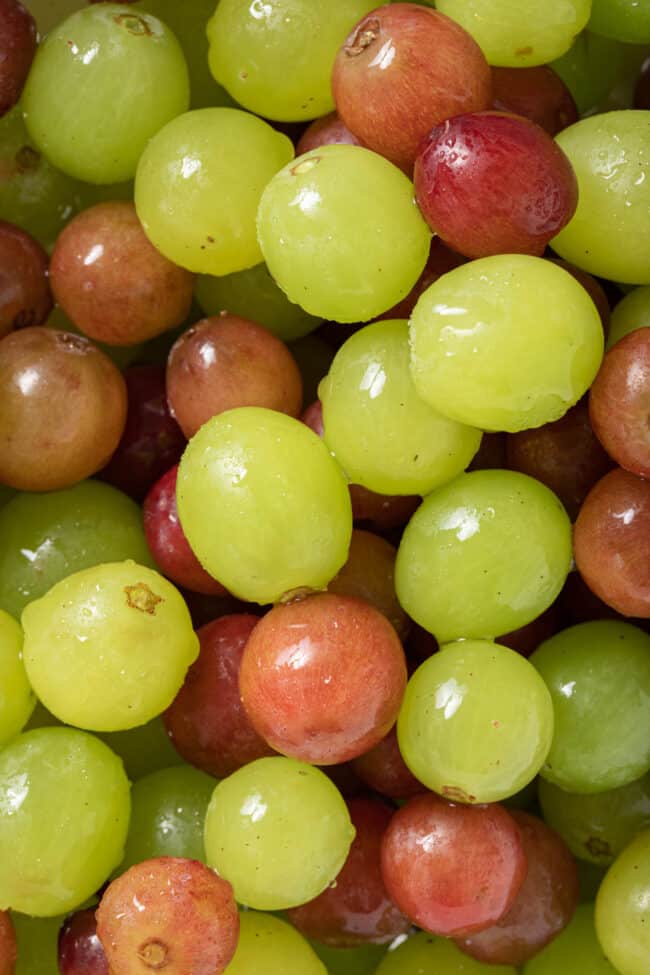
[
  {"x": 276, "y": 59},
  {"x": 499, "y": 536},
  {"x": 599, "y": 678},
  {"x": 464, "y": 730},
  {"x": 65, "y": 804},
  {"x": 632, "y": 312},
  {"x": 594, "y": 289},
  {"x": 539, "y": 94},
  {"x": 328, "y": 245},
  {"x": 516, "y": 35},
  {"x": 198, "y": 185},
  {"x": 123, "y": 639},
  {"x": 383, "y": 770},
  {"x": 25, "y": 297},
  {"x": 488, "y": 348},
  {"x": 46, "y": 537},
  {"x": 37, "y": 944},
  {"x": 610, "y": 154},
  {"x": 80, "y": 950},
  {"x": 397, "y": 444},
  {"x": 16, "y": 696},
  {"x": 270, "y": 945},
  {"x": 623, "y": 20},
  {"x": 326, "y": 131},
  {"x": 623, "y": 909},
  {"x": 423, "y": 953},
  {"x": 279, "y": 831},
  {"x": 263, "y": 505},
  {"x": 18, "y": 39},
  {"x": 601, "y": 73},
  {"x": 349, "y": 961},
  {"x": 576, "y": 949},
  {"x": 143, "y": 750},
  {"x": 102, "y": 84},
  {"x": 8, "y": 948}
]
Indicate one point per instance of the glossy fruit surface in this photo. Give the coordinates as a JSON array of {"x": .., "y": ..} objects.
[
  {"x": 622, "y": 908},
  {"x": 16, "y": 696},
  {"x": 424, "y": 953},
  {"x": 80, "y": 950},
  {"x": 25, "y": 297},
  {"x": 268, "y": 944},
  {"x": 19, "y": 40},
  {"x": 576, "y": 946},
  {"x": 539, "y": 94}
]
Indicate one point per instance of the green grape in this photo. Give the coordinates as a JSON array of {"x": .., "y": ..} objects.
[
  {"x": 623, "y": 20},
  {"x": 38, "y": 944},
  {"x": 476, "y": 722},
  {"x": 598, "y": 674},
  {"x": 143, "y": 750},
  {"x": 107, "y": 648},
  {"x": 483, "y": 555},
  {"x": 276, "y": 57},
  {"x": 199, "y": 183},
  {"x": 254, "y": 294},
  {"x": 519, "y": 35},
  {"x": 597, "y": 827},
  {"x": 425, "y": 955},
  {"x": 269, "y": 945},
  {"x": 46, "y": 537},
  {"x": 489, "y": 349},
  {"x": 279, "y": 831},
  {"x": 350, "y": 961},
  {"x": 49, "y": 13},
  {"x": 102, "y": 83},
  {"x": 623, "y": 909},
  {"x": 575, "y": 951},
  {"x": 314, "y": 357},
  {"x": 328, "y": 244},
  {"x": 167, "y": 813},
  {"x": 64, "y": 801},
  {"x": 609, "y": 234},
  {"x": 632, "y": 312},
  {"x": 395, "y": 443},
  {"x": 16, "y": 696},
  {"x": 600, "y": 73},
  {"x": 264, "y": 506}
]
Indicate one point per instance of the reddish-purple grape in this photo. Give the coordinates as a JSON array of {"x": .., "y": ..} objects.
[
  {"x": 25, "y": 297},
  {"x": 17, "y": 48},
  {"x": 80, "y": 950}
]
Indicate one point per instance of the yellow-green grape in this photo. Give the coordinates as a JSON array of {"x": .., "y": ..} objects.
[
  {"x": 144, "y": 749},
  {"x": 609, "y": 234},
  {"x": 275, "y": 56},
  {"x": 199, "y": 183},
  {"x": 269, "y": 945},
  {"x": 600, "y": 73},
  {"x": 483, "y": 555},
  {"x": 329, "y": 244},
  {"x": 624, "y": 20},
  {"x": 382, "y": 434},
  {"x": 632, "y": 312},
  {"x": 264, "y": 506},
  {"x": 64, "y": 799},
  {"x": 279, "y": 831},
  {"x": 102, "y": 83},
  {"x": 38, "y": 944},
  {"x": 107, "y": 648},
  {"x": 425, "y": 955},
  {"x": 476, "y": 723},
  {"x": 575, "y": 951},
  {"x": 254, "y": 294},
  {"x": 623, "y": 909},
  {"x": 490, "y": 349},
  {"x": 523, "y": 34},
  {"x": 350, "y": 961},
  {"x": 16, "y": 696}
]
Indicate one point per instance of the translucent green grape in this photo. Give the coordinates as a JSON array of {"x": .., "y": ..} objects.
[
  {"x": 16, "y": 696},
  {"x": 425, "y": 954},
  {"x": 199, "y": 183},
  {"x": 599, "y": 677},
  {"x": 519, "y": 35},
  {"x": 490, "y": 349},
  {"x": 597, "y": 827},
  {"x": 609, "y": 234},
  {"x": 350, "y": 961},
  {"x": 264, "y": 506},
  {"x": 329, "y": 245},
  {"x": 46, "y": 537},
  {"x": 107, "y": 648},
  {"x": 144, "y": 749},
  {"x": 632, "y": 312},
  {"x": 575, "y": 950},
  {"x": 254, "y": 294},
  {"x": 38, "y": 944},
  {"x": 167, "y": 815},
  {"x": 267, "y": 944},
  {"x": 483, "y": 555},
  {"x": 64, "y": 800},
  {"x": 382, "y": 434},
  {"x": 276, "y": 57},
  {"x": 623, "y": 909},
  {"x": 279, "y": 831},
  {"x": 600, "y": 73},
  {"x": 624, "y": 20},
  {"x": 476, "y": 722}
]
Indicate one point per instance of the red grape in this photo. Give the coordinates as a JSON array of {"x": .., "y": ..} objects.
[
  {"x": 491, "y": 455},
  {"x": 25, "y": 297},
  {"x": 384, "y": 770},
  {"x": 80, "y": 950},
  {"x": 441, "y": 259},
  {"x": 17, "y": 48},
  {"x": 538, "y": 94},
  {"x": 8, "y": 947},
  {"x": 327, "y": 131},
  {"x": 593, "y": 288}
]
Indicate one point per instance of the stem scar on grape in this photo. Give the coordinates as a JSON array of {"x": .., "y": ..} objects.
[
  {"x": 153, "y": 954},
  {"x": 305, "y": 166},
  {"x": 456, "y": 794},
  {"x": 366, "y": 35},
  {"x": 142, "y": 598},
  {"x": 135, "y": 25}
]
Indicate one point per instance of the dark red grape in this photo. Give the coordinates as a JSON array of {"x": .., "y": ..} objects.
[
  {"x": 538, "y": 94},
  {"x": 18, "y": 38},
  {"x": 8, "y": 947},
  {"x": 441, "y": 259},
  {"x": 384, "y": 770},
  {"x": 80, "y": 950},
  {"x": 327, "y": 131},
  {"x": 491, "y": 455},
  {"x": 25, "y": 297},
  {"x": 593, "y": 288}
]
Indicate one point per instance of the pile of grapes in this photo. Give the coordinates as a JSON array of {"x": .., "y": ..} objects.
[{"x": 325, "y": 487}]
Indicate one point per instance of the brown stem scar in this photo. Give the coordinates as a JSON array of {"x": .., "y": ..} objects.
[
  {"x": 141, "y": 597},
  {"x": 153, "y": 954}
]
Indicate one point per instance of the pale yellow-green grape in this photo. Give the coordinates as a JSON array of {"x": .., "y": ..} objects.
[
  {"x": 64, "y": 800},
  {"x": 623, "y": 909},
  {"x": 279, "y": 831},
  {"x": 609, "y": 234},
  {"x": 273, "y": 947},
  {"x": 38, "y": 944},
  {"x": 601, "y": 73},
  {"x": 254, "y": 294},
  {"x": 275, "y": 56},
  {"x": 423, "y": 954},
  {"x": 16, "y": 696},
  {"x": 520, "y": 34},
  {"x": 632, "y": 312},
  {"x": 144, "y": 749},
  {"x": 341, "y": 233},
  {"x": 575, "y": 951},
  {"x": 102, "y": 83},
  {"x": 382, "y": 434},
  {"x": 505, "y": 343},
  {"x": 264, "y": 506},
  {"x": 483, "y": 555},
  {"x": 624, "y": 20},
  {"x": 199, "y": 183},
  {"x": 107, "y": 648},
  {"x": 476, "y": 723}
]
